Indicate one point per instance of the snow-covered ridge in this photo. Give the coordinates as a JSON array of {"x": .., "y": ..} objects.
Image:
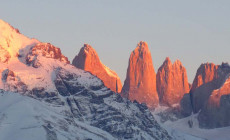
[
  {"x": 13, "y": 42},
  {"x": 41, "y": 120},
  {"x": 66, "y": 103}
]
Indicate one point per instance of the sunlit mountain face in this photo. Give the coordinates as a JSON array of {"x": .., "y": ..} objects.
[
  {"x": 44, "y": 96},
  {"x": 88, "y": 60}
]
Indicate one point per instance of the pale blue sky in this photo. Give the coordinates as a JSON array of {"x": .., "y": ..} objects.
[{"x": 194, "y": 31}]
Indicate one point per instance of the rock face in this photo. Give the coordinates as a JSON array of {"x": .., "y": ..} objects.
[
  {"x": 216, "y": 110},
  {"x": 215, "y": 97},
  {"x": 210, "y": 96},
  {"x": 66, "y": 103},
  {"x": 172, "y": 82},
  {"x": 88, "y": 60},
  {"x": 140, "y": 82},
  {"x": 206, "y": 73},
  {"x": 12, "y": 82},
  {"x": 47, "y": 50},
  {"x": 205, "y": 82}
]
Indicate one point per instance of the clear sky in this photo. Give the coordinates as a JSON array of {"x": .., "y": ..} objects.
[{"x": 193, "y": 31}]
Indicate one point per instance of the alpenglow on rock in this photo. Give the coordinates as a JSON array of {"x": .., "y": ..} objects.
[
  {"x": 205, "y": 73},
  {"x": 47, "y": 50},
  {"x": 140, "y": 82},
  {"x": 205, "y": 82},
  {"x": 210, "y": 96},
  {"x": 172, "y": 82},
  {"x": 215, "y": 110},
  {"x": 88, "y": 60},
  {"x": 62, "y": 102}
]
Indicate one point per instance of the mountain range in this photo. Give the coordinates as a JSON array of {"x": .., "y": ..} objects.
[{"x": 44, "y": 95}]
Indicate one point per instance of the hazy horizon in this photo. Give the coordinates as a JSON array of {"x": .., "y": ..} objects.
[{"x": 194, "y": 32}]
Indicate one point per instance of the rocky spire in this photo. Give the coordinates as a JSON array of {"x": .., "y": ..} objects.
[
  {"x": 140, "y": 83},
  {"x": 88, "y": 60},
  {"x": 205, "y": 73},
  {"x": 172, "y": 82}
]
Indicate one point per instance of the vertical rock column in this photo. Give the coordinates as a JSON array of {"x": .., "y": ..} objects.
[{"x": 140, "y": 82}]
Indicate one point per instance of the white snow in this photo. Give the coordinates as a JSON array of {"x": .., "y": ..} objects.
[
  {"x": 22, "y": 117},
  {"x": 12, "y": 41},
  {"x": 180, "y": 129}
]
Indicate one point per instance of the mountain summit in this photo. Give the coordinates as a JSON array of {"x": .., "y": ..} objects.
[
  {"x": 140, "y": 82},
  {"x": 88, "y": 60},
  {"x": 67, "y": 102},
  {"x": 12, "y": 43},
  {"x": 172, "y": 82}
]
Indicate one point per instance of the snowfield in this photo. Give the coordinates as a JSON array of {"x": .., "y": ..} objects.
[
  {"x": 180, "y": 129},
  {"x": 25, "y": 118}
]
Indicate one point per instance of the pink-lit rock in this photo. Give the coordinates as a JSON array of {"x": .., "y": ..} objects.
[
  {"x": 88, "y": 60},
  {"x": 206, "y": 73},
  {"x": 140, "y": 83},
  {"x": 46, "y": 50},
  {"x": 172, "y": 82}
]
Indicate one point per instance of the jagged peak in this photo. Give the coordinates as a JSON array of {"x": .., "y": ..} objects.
[
  {"x": 207, "y": 72},
  {"x": 168, "y": 76},
  {"x": 141, "y": 46},
  {"x": 141, "y": 50},
  {"x": 6, "y": 28},
  {"x": 13, "y": 43},
  {"x": 87, "y": 49},
  {"x": 207, "y": 64},
  {"x": 177, "y": 63},
  {"x": 88, "y": 60},
  {"x": 211, "y": 64},
  {"x": 167, "y": 64},
  {"x": 204, "y": 66},
  {"x": 167, "y": 61}
]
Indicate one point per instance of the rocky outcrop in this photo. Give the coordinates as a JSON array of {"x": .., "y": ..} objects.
[
  {"x": 66, "y": 101},
  {"x": 214, "y": 99},
  {"x": 216, "y": 110},
  {"x": 12, "y": 82},
  {"x": 46, "y": 50},
  {"x": 4, "y": 55},
  {"x": 209, "y": 96},
  {"x": 206, "y": 73},
  {"x": 140, "y": 82},
  {"x": 208, "y": 78},
  {"x": 88, "y": 60},
  {"x": 172, "y": 82}
]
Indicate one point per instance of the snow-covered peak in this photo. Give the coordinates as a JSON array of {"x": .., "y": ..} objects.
[
  {"x": 12, "y": 42},
  {"x": 45, "y": 50}
]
